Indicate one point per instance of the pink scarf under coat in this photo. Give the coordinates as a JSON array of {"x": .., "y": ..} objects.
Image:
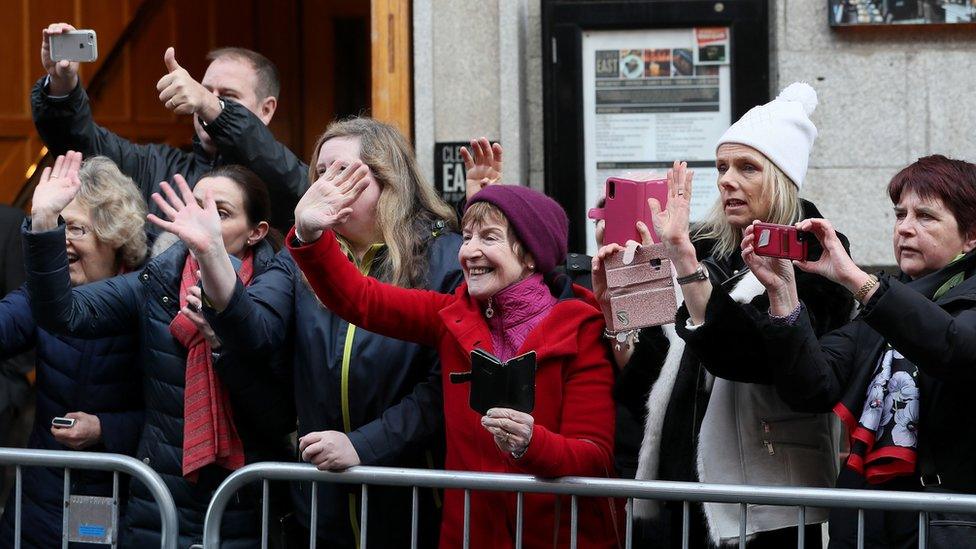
[{"x": 518, "y": 309}]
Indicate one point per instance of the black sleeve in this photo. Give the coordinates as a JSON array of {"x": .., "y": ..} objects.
[
  {"x": 728, "y": 342},
  {"x": 941, "y": 344},
  {"x": 262, "y": 394},
  {"x": 67, "y": 124},
  {"x": 637, "y": 377},
  {"x": 99, "y": 309},
  {"x": 407, "y": 425},
  {"x": 12, "y": 250},
  {"x": 811, "y": 375},
  {"x": 258, "y": 318},
  {"x": 242, "y": 138}
]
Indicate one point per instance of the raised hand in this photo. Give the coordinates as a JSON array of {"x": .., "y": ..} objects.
[
  {"x": 599, "y": 272},
  {"x": 775, "y": 274},
  {"x": 328, "y": 201},
  {"x": 834, "y": 263},
  {"x": 180, "y": 93},
  {"x": 63, "y": 74},
  {"x": 57, "y": 187},
  {"x": 671, "y": 224},
  {"x": 198, "y": 227},
  {"x": 483, "y": 168}
]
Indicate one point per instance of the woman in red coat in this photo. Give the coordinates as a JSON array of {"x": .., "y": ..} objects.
[{"x": 511, "y": 236}]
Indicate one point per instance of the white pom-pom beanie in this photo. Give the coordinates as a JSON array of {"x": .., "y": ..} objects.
[{"x": 781, "y": 130}]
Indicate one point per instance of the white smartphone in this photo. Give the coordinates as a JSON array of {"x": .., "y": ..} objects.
[
  {"x": 79, "y": 45},
  {"x": 64, "y": 422}
]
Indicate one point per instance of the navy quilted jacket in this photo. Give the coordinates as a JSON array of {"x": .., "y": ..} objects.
[
  {"x": 96, "y": 376},
  {"x": 144, "y": 303}
]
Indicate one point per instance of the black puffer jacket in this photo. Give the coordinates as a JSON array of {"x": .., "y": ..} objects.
[
  {"x": 239, "y": 136},
  {"x": 96, "y": 376},
  {"x": 145, "y": 302}
]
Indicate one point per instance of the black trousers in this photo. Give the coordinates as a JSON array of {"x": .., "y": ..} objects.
[
  {"x": 882, "y": 529},
  {"x": 665, "y": 532}
]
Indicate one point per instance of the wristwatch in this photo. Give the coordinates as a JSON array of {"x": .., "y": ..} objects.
[{"x": 701, "y": 273}]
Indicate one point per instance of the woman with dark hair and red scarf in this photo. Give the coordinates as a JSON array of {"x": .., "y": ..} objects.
[
  {"x": 900, "y": 375},
  {"x": 208, "y": 412}
]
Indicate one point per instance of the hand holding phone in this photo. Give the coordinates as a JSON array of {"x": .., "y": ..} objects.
[
  {"x": 63, "y": 422},
  {"x": 785, "y": 242},
  {"x": 74, "y": 45},
  {"x": 625, "y": 205}
]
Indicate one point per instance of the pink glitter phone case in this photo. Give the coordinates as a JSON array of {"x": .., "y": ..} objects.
[{"x": 641, "y": 293}]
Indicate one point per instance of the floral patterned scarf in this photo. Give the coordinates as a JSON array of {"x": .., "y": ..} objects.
[{"x": 883, "y": 445}]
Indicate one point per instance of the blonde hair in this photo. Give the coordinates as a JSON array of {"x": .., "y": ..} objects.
[
  {"x": 407, "y": 208},
  {"x": 116, "y": 209},
  {"x": 778, "y": 190}
]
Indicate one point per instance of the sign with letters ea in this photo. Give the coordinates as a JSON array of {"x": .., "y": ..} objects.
[{"x": 449, "y": 172}]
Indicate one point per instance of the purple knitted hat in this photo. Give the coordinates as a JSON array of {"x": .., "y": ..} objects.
[{"x": 539, "y": 221}]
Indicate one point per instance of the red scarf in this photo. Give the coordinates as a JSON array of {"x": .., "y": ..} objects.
[{"x": 209, "y": 435}]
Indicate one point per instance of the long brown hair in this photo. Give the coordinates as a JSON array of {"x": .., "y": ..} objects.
[{"x": 407, "y": 208}]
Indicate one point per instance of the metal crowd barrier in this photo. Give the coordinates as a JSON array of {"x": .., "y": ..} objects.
[
  {"x": 688, "y": 492},
  {"x": 116, "y": 463}
]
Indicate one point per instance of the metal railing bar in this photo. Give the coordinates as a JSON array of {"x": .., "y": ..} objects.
[
  {"x": 923, "y": 529},
  {"x": 860, "y": 529},
  {"x": 66, "y": 498},
  {"x": 265, "y": 511},
  {"x": 128, "y": 465},
  {"x": 629, "y": 532},
  {"x": 587, "y": 487},
  {"x": 685, "y": 524},
  {"x": 363, "y": 516},
  {"x": 742, "y": 525},
  {"x": 414, "y": 517},
  {"x": 467, "y": 519},
  {"x": 573, "y": 522},
  {"x": 519, "y": 522},
  {"x": 313, "y": 520},
  {"x": 801, "y": 534},
  {"x": 115, "y": 509},
  {"x": 18, "y": 494}
]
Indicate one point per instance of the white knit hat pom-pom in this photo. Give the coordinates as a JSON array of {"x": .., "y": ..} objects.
[{"x": 802, "y": 93}]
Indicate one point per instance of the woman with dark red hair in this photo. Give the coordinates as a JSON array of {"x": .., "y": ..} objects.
[{"x": 900, "y": 375}]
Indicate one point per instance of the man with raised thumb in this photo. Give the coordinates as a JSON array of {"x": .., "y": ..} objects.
[{"x": 231, "y": 108}]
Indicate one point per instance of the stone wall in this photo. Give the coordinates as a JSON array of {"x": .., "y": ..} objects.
[{"x": 887, "y": 96}]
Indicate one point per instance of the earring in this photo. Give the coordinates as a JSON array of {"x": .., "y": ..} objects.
[
  {"x": 531, "y": 267},
  {"x": 248, "y": 241}
]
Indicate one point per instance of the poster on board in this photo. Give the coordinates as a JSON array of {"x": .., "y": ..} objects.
[
  {"x": 651, "y": 97},
  {"x": 853, "y": 13}
]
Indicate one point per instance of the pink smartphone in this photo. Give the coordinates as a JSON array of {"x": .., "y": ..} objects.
[{"x": 626, "y": 204}]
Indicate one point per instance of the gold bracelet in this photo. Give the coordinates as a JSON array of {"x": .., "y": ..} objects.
[{"x": 865, "y": 288}]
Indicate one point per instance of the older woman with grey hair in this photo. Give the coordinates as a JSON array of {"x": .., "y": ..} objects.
[{"x": 93, "y": 383}]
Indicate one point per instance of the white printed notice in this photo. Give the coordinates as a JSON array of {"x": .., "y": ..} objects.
[{"x": 650, "y": 98}]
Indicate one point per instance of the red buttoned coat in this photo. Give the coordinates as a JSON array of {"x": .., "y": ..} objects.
[{"x": 574, "y": 409}]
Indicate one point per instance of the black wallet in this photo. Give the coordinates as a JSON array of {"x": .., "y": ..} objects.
[{"x": 495, "y": 384}]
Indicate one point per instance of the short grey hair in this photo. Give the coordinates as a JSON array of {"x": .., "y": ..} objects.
[{"x": 116, "y": 208}]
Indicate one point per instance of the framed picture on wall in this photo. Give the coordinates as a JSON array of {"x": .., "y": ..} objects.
[
  {"x": 853, "y": 13},
  {"x": 631, "y": 85}
]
